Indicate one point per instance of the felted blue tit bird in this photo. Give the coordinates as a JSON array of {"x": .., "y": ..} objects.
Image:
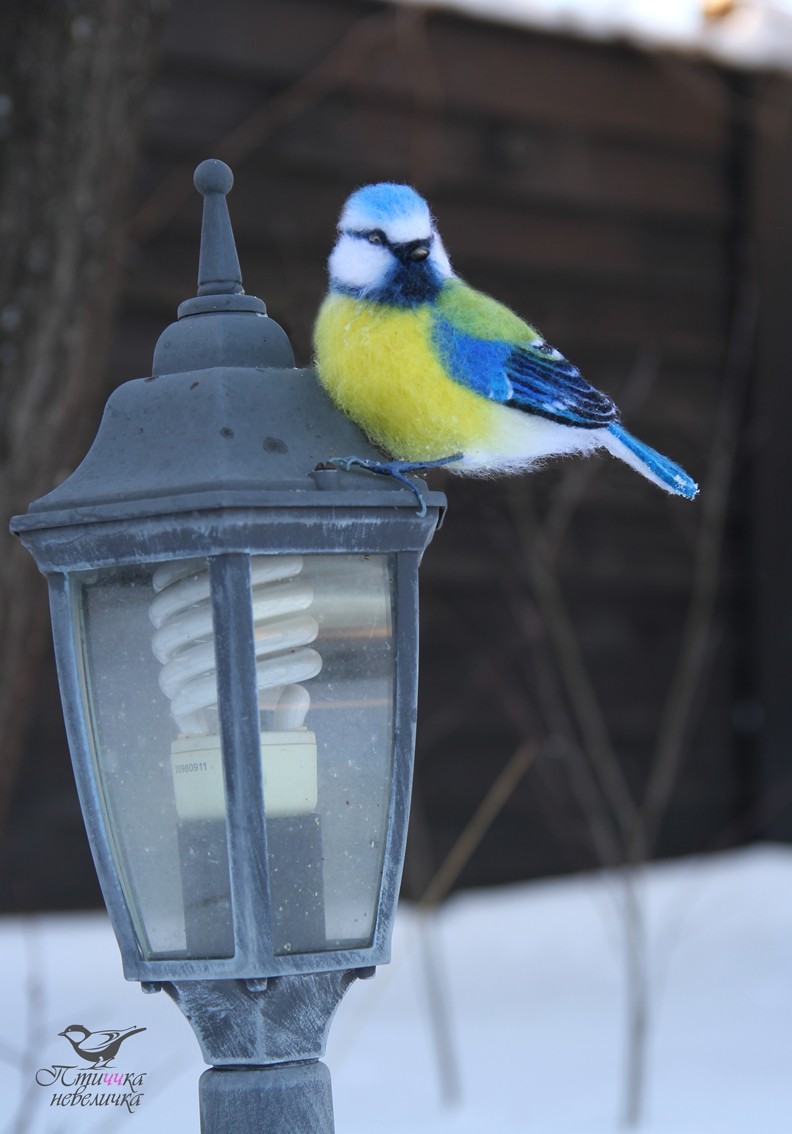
[{"x": 436, "y": 373}]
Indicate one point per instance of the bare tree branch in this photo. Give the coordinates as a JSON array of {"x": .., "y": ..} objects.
[
  {"x": 478, "y": 825},
  {"x": 334, "y": 71},
  {"x": 697, "y": 631},
  {"x": 572, "y": 666}
]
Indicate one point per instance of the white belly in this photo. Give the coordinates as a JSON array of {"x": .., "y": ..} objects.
[{"x": 524, "y": 440}]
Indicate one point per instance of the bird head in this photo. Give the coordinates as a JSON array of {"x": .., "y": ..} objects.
[
  {"x": 388, "y": 247},
  {"x": 75, "y": 1032}
]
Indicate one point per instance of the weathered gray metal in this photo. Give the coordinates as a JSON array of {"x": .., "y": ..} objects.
[
  {"x": 284, "y": 1020},
  {"x": 225, "y": 419},
  {"x": 216, "y": 455},
  {"x": 244, "y": 1102}
]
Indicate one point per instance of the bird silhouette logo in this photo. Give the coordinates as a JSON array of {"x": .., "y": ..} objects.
[{"x": 97, "y": 1047}]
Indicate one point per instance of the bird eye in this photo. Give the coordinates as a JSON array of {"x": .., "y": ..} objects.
[{"x": 375, "y": 237}]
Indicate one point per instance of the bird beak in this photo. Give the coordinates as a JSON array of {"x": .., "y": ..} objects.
[{"x": 420, "y": 252}]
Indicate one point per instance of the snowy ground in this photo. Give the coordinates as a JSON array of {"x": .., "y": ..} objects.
[{"x": 531, "y": 979}]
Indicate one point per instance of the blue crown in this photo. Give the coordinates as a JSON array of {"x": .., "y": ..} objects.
[{"x": 386, "y": 201}]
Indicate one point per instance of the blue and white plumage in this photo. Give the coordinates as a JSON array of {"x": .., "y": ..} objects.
[{"x": 434, "y": 371}]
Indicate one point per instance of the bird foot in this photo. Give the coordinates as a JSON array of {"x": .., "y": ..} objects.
[{"x": 397, "y": 470}]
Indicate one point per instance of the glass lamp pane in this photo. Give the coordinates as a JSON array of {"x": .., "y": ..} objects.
[
  {"x": 146, "y": 645},
  {"x": 325, "y": 673}
]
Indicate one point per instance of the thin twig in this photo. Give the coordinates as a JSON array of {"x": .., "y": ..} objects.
[
  {"x": 34, "y": 1012},
  {"x": 341, "y": 64},
  {"x": 440, "y": 1015},
  {"x": 477, "y": 826},
  {"x": 706, "y": 580},
  {"x": 412, "y": 41},
  {"x": 463, "y": 849},
  {"x": 636, "y": 956},
  {"x": 554, "y": 710},
  {"x": 578, "y": 684}
]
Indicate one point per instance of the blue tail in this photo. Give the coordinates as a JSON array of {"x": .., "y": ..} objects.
[{"x": 651, "y": 464}]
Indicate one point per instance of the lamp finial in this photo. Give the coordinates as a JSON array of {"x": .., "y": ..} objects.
[{"x": 218, "y": 267}]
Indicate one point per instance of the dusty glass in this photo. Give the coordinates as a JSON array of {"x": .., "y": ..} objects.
[{"x": 146, "y": 651}]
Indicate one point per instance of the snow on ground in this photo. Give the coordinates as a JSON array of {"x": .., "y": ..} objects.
[{"x": 530, "y": 984}]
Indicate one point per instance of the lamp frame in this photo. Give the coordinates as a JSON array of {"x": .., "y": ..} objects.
[{"x": 227, "y": 538}]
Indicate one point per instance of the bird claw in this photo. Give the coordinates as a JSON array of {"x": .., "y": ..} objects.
[{"x": 397, "y": 470}]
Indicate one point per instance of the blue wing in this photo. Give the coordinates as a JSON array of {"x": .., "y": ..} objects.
[{"x": 531, "y": 376}]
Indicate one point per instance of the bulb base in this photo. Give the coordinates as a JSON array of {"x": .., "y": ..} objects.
[{"x": 289, "y": 767}]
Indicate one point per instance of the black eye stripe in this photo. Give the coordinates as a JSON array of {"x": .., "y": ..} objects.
[
  {"x": 401, "y": 249},
  {"x": 366, "y": 234}
]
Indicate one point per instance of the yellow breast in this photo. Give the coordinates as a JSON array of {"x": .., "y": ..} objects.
[{"x": 378, "y": 366}]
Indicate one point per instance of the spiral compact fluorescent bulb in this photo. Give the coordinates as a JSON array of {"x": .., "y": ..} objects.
[{"x": 183, "y": 642}]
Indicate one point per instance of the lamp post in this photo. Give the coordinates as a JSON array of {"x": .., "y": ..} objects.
[{"x": 235, "y": 627}]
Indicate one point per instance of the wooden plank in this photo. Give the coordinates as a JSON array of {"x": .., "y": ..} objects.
[
  {"x": 556, "y": 239},
  {"x": 645, "y": 301},
  {"x": 479, "y": 67},
  {"x": 773, "y": 473},
  {"x": 588, "y": 305},
  {"x": 259, "y": 37},
  {"x": 697, "y": 818},
  {"x": 568, "y": 81},
  {"x": 376, "y": 140},
  {"x": 280, "y": 209},
  {"x": 189, "y": 111},
  {"x": 602, "y": 323}
]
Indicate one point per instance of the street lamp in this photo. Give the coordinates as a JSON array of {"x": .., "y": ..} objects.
[{"x": 235, "y": 625}]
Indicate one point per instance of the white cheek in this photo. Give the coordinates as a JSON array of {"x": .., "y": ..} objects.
[
  {"x": 356, "y": 263},
  {"x": 439, "y": 258}
]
